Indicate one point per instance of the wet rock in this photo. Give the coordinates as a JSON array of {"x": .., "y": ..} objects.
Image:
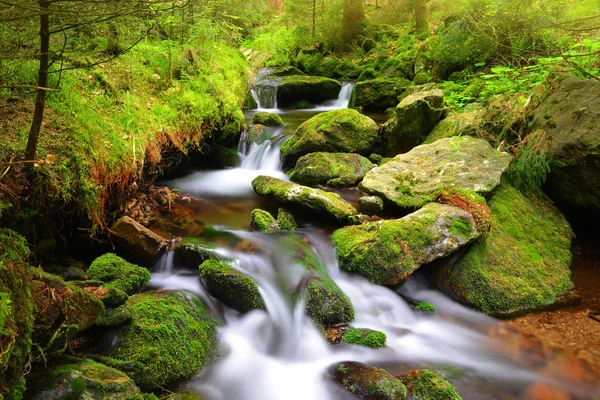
[
  {"x": 74, "y": 378},
  {"x": 230, "y": 134},
  {"x": 570, "y": 118},
  {"x": 522, "y": 264},
  {"x": 316, "y": 89},
  {"x": 456, "y": 124},
  {"x": 171, "y": 336},
  {"x": 109, "y": 295},
  {"x": 415, "y": 117},
  {"x": 267, "y": 119},
  {"x": 255, "y": 133},
  {"x": 333, "y": 169},
  {"x": 138, "y": 239},
  {"x": 389, "y": 251},
  {"x": 377, "y": 95},
  {"x": 68, "y": 273},
  {"x": 224, "y": 157},
  {"x": 427, "y": 385},
  {"x": 413, "y": 179},
  {"x": 364, "y": 337},
  {"x": 425, "y": 307},
  {"x": 286, "y": 220},
  {"x": 231, "y": 287},
  {"x": 115, "y": 316},
  {"x": 314, "y": 201},
  {"x": 286, "y": 71},
  {"x": 263, "y": 221},
  {"x": 118, "y": 273},
  {"x": 370, "y": 205},
  {"x": 45, "y": 247},
  {"x": 338, "y": 131},
  {"x": 367, "y": 382},
  {"x": 191, "y": 252}
]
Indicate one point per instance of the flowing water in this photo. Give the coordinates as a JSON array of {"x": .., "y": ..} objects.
[{"x": 279, "y": 353}]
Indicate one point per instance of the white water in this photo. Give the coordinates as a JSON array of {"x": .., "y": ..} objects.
[
  {"x": 265, "y": 90},
  {"x": 341, "y": 102}
]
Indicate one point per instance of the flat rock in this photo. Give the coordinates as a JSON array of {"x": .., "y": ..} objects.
[
  {"x": 137, "y": 239},
  {"x": 413, "y": 179}
]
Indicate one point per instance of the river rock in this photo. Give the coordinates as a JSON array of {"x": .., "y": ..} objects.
[
  {"x": 366, "y": 382},
  {"x": 364, "y": 337},
  {"x": 75, "y": 378},
  {"x": 316, "y": 89},
  {"x": 313, "y": 201},
  {"x": 570, "y": 117},
  {"x": 387, "y": 252},
  {"x": 263, "y": 221},
  {"x": 377, "y": 95},
  {"x": 138, "y": 239},
  {"x": 109, "y": 295},
  {"x": 286, "y": 71},
  {"x": 415, "y": 117},
  {"x": 415, "y": 178},
  {"x": 338, "y": 131},
  {"x": 424, "y": 384},
  {"x": 523, "y": 263},
  {"x": 333, "y": 169},
  {"x": 456, "y": 124},
  {"x": 370, "y": 205},
  {"x": 286, "y": 220},
  {"x": 171, "y": 336},
  {"x": 267, "y": 119},
  {"x": 190, "y": 252},
  {"x": 231, "y": 287},
  {"x": 118, "y": 273}
]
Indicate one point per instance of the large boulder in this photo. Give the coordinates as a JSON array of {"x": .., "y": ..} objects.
[
  {"x": 456, "y": 124},
  {"x": 387, "y": 252},
  {"x": 523, "y": 263},
  {"x": 570, "y": 117},
  {"x": 118, "y": 273},
  {"x": 267, "y": 119},
  {"x": 338, "y": 131},
  {"x": 231, "y": 287},
  {"x": 413, "y": 179},
  {"x": 74, "y": 378},
  {"x": 137, "y": 239},
  {"x": 366, "y": 382},
  {"x": 424, "y": 384},
  {"x": 415, "y": 117},
  {"x": 171, "y": 336},
  {"x": 334, "y": 169},
  {"x": 316, "y": 89},
  {"x": 313, "y": 201},
  {"x": 377, "y": 95}
]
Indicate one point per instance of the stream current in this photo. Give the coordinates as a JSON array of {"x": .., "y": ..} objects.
[{"x": 279, "y": 353}]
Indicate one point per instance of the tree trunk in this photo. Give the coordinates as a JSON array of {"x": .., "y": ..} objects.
[
  {"x": 422, "y": 25},
  {"x": 314, "y": 17},
  {"x": 40, "y": 101}
]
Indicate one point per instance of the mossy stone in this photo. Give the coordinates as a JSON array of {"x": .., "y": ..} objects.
[
  {"x": 366, "y": 382},
  {"x": 263, "y": 221},
  {"x": 425, "y": 306},
  {"x": 267, "y": 119},
  {"x": 115, "y": 316},
  {"x": 330, "y": 168},
  {"x": 370, "y": 205},
  {"x": 338, "y": 131},
  {"x": 316, "y": 89},
  {"x": 109, "y": 295},
  {"x": 364, "y": 337},
  {"x": 285, "y": 220},
  {"x": 522, "y": 264},
  {"x": 377, "y": 95},
  {"x": 231, "y": 287},
  {"x": 224, "y": 157},
  {"x": 427, "y": 385},
  {"x": 456, "y": 124},
  {"x": 119, "y": 273}
]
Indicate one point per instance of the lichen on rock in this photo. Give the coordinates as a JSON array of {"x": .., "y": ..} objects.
[{"x": 331, "y": 169}]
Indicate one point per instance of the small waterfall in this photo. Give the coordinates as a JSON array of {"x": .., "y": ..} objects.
[
  {"x": 342, "y": 101},
  {"x": 262, "y": 156},
  {"x": 265, "y": 91}
]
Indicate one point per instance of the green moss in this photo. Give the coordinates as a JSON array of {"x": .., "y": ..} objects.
[
  {"x": 315, "y": 89},
  {"x": 304, "y": 105},
  {"x": 224, "y": 157},
  {"x": 330, "y": 168},
  {"x": 267, "y": 119},
  {"x": 461, "y": 227},
  {"x": 365, "y": 337},
  {"x": 367, "y": 382},
  {"x": 263, "y": 221},
  {"x": 231, "y": 287},
  {"x": 171, "y": 336},
  {"x": 426, "y": 385},
  {"x": 524, "y": 261},
  {"x": 117, "y": 272},
  {"x": 377, "y": 95},
  {"x": 286, "y": 220},
  {"x": 424, "y": 306}
]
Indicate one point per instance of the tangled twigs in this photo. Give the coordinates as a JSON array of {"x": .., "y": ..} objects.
[{"x": 595, "y": 315}]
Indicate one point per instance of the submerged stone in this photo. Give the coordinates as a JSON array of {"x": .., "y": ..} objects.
[
  {"x": 267, "y": 119},
  {"x": 334, "y": 169},
  {"x": 377, "y": 95},
  {"x": 366, "y": 382},
  {"x": 388, "y": 252},
  {"x": 427, "y": 385},
  {"x": 364, "y": 337},
  {"x": 316, "y": 201},
  {"x": 413, "y": 179},
  {"x": 338, "y": 131},
  {"x": 118, "y": 273},
  {"x": 316, "y": 89},
  {"x": 522, "y": 264},
  {"x": 231, "y": 287}
]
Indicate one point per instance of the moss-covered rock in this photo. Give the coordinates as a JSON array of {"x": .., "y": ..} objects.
[
  {"x": 315, "y": 201},
  {"x": 570, "y": 117},
  {"x": 377, "y": 95},
  {"x": 334, "y": 169},
  {"x": 427, "y": 385},
  {"x": 229, "y": 134},
  {"x": 316, "y": 89},
  {"x": 388, "y": 252},
  {"x": 286, "y": 220},
  {"x": 425, "y": 306},
  {"x": 74, "y": 378},
  {"x": 115, "y": 316},
  {"x": 231, "y": 287},
  {"x": 109, "y": 295},
  {"x": 171, "y": 336},
  {"x": 263, "y": 221},
  {"x": 267, "y": 119},
  {"x": 522, "y": 264},
  {"x": 370, "y": 205},
  {"x": 338, "y": 131},
  {"x": 456, "y": 124},
  {"x": 224, "y": 157},
  {"x": 190, "y": 252},
  {"x": 367, "y": 382},
  {"x": 118, "y": 273},
  {"x": 367, "y": 74},
  {"x": 185, "y": 395},
  {"x": 364, "y": 337},
  {"x": 286, "y": 71},
  {"x": 415, "y": 117},
  {"x": 416, "y": 178}
]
